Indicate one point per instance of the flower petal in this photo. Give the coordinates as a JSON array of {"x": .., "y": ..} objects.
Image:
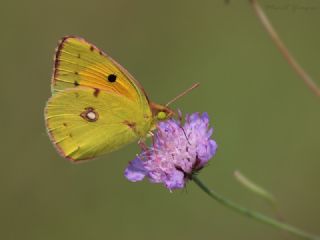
[
  {"x": 135, "y": 170},
  {"x": 175, "y": 180}
]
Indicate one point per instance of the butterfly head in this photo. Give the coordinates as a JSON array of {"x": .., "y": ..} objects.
[
  {"x": 163, "y": 112},
  {"x": 160, "y": 112}
]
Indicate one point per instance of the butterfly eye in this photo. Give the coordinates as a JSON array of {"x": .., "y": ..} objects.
[{"x": 161, "y": 115}]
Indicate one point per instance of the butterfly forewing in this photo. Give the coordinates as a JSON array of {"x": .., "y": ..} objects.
[{"x": 79, "y": 63}]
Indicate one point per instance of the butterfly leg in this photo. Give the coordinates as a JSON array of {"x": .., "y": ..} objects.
[
  {"x": 142, "y": 144},
  {"x": 150, "y": 134}
]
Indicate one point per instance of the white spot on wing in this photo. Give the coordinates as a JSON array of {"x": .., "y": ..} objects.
[{"x": 91, "y": 115}]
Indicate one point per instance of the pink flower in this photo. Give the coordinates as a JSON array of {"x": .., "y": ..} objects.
[{"x": 179, "y": 151}]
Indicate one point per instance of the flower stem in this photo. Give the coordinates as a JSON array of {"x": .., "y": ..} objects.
[
  {"x": 252, "y": 214},
  {"x": 283, "y": 49}
]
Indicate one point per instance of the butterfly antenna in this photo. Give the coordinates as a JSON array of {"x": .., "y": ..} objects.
[{"x": 183, "y": 93}]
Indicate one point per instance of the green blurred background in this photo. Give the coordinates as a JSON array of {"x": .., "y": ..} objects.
[{"x": 266, "y": 120}]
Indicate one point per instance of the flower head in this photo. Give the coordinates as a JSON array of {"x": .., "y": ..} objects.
[{"x": 179, "y": 150}]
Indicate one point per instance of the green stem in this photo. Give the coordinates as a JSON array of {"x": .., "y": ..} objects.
[{"x": 252, "y": 214}]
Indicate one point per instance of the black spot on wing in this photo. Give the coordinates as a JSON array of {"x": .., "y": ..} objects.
[{"x": 112, "y": 78}]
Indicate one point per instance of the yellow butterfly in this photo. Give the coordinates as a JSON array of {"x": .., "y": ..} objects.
[{"x": 96, "y": 106}]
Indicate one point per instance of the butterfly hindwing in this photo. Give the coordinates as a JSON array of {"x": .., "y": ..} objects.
[{"x": 84, "y": 123}]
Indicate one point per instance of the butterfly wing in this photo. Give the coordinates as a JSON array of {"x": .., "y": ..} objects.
[
  {"x": 80, "y": 63},
  {"x": 84, "y": 124},
  {"x": 97, "y": 106}
]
